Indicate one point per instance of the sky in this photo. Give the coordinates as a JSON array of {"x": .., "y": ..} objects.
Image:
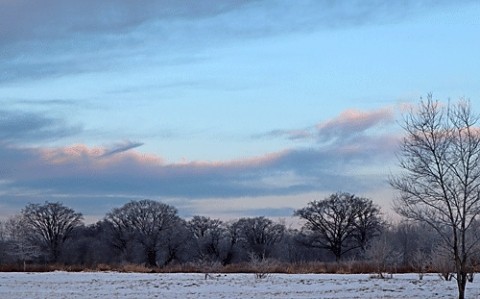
[{"x": 224, "y": 109}]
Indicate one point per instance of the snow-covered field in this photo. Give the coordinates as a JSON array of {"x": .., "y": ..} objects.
[{"x": 134, "y": 285}]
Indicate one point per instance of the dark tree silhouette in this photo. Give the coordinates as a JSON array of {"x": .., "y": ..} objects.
[
  {"x": 341, "y": 223},
  {"x": 209, "y": 235},
  {"x": 144, "y": 221},
  {"x": 50, "y": 225},
  {"x": 259, "y": 235}
]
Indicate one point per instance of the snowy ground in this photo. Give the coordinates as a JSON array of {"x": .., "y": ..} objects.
[{"x": 133, "y": 285}]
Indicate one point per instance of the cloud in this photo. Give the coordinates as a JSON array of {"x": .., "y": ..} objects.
[
  {"x": 297, "y": 134},
  {"x": 89, "y": 176},
  {"x": 53, "y": 37},
  {"x": 21, "y": 126},
  {"x": 350, "y": 124},
  {"x": 42, "y": 19},
  {"x": 123, "y": 170},
  {"x": 353, "y": 123},
  {"x": 48, "y": 103},
  {"x": 121, "y": 147},
  {"x": 77, "y": 169}
]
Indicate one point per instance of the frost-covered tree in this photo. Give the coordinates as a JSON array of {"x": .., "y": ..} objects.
[
  {"x": 19, "y": 244},
  {"x": 439, "y": 184}
]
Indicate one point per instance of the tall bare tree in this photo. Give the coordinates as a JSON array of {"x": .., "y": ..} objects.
[
  {"x": 50, "y": 225},
  {"x": 144, "y": 221},
  {"x": 341, "y": 223},
  {"x": 440, "y": 180}
]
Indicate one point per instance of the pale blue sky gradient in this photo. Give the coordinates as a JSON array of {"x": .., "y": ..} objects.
[{"x": 225, "y": 108}]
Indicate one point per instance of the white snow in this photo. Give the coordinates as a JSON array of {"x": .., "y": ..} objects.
[{"x": 133, "y": 285}]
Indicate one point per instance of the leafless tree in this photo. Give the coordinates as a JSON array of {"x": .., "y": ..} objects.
[
  {"x": 209, "y": 235},
  {"x": 19, "y": 245},
  {"x": 2, "y": 231},
  {"x": 368, "y": 222},
  {"x": 259, "y": 235},
  {"x": 176, "y": 243},
  {"x": 381, "y": 255},
  {"x": 3, "y": 250},
  {"x": 406, "y": 240},
  {"x": 341, "y": 223},
  {"x": 230, "y": 243},
  {"x": 201, "y": 225},
  {"x": 143, "y": 221},
  {"x": 50, "y": 225},
  {"x": 439, "y": 184}
]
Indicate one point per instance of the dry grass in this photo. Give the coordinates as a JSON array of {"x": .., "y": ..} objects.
[{"x": 270, "y": 266}]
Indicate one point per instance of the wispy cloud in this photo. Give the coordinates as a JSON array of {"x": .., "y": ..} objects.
[
  {"x": 21, "y": 126},
  {"x": 67, "y": 37},
  {"x": 121, "y": 147},
  {"x": 350, "y": 124},
  {"x": 296, "y": 134}
]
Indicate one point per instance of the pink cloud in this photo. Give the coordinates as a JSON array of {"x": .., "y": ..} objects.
[
  {"x": 353, "y": 122},
  {"x": 80, "y": 159},
  {"x": 100, "y": 156},
  {"x": 348, "y": 124}
]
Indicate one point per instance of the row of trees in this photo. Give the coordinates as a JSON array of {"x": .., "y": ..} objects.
[
  {"x": 152, "y": 233},
  {"x": 342, "y": 227}
]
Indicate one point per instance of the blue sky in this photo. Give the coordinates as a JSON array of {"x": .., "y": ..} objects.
[{"x": 221, "y": 108}]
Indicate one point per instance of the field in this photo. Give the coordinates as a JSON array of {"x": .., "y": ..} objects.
[{"x": 133, "y": 285}]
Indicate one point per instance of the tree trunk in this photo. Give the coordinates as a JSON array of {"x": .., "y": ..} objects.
[
  {"x": 228, "y": 258},
  {"x": 55, "y": 254},
  {"x": 461, "y": 283},
  {"x": 337, "y": 251},
  {"x": 151, "y": 257},
  {"x": 172, "y": 255}
]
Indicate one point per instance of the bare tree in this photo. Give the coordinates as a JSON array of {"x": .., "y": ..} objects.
[
  {"x": 440, "y": 180},
  {"x": 230, "y": 243},
  {"x": 341, "y": 223},
  {"x": 381, "y": 255},
  {"x": 117, "y": 236},
  {"x": 368, "y": 222},
  {"x": 50, "y": 225},
  {"x": 3, "y": 243},
  {"x": 2, "y": 231},
  {"x": 143, "y": 221},
  {"x": 259, "y": 235},
  {"x": 406, "y": 239},
  {"x": 209, "y": 235},
  {"x": 201, "y": 225},
  {"x": 19, "y": 245}
]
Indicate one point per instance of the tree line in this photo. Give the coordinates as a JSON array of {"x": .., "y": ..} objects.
[
  {"x": 152, "y": 233},
  {"x": 341, "y": 227}
]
